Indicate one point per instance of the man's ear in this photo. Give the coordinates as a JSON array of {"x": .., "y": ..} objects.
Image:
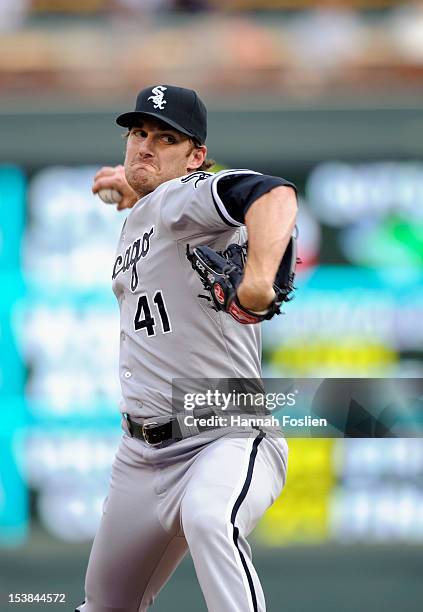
[{"x": 196, "y": 158}]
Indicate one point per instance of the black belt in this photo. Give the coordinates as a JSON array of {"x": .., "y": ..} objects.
[{"x": 153, "y": 433}]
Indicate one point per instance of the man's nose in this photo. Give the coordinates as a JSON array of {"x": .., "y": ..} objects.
[{"x": 146, "y": 145}]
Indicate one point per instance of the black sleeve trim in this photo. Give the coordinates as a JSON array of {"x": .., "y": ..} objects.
[
  {"x": 220, "y": 206},
  {"x": 221, "y": 215},
  {"x": 237, "y": 192}
]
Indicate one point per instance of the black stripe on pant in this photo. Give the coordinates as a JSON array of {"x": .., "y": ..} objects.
[{"x": 234, "y": 512}]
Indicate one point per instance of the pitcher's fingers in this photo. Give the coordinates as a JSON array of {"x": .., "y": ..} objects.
[
  {"x": 106, "y": 171},
  {"x": 107, "y": 182},
  {"x": 122, "y": 204}
]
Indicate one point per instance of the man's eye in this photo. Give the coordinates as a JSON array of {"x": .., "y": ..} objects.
[{"x": 168, "y": 138}]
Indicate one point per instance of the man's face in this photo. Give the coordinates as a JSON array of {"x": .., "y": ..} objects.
[{"x": 156, "y": 153}]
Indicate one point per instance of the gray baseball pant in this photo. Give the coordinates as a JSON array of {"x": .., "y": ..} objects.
[{"x": 201, "y": 494}]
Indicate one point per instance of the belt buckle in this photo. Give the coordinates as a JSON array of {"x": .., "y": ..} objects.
[{"x": 144, "y": 428}]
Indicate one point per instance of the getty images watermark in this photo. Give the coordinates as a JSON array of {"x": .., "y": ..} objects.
[
  {"x": 242, "y": 404},
  {"x": 221, "y": 401},
  {"x": 322, "y": 408}
]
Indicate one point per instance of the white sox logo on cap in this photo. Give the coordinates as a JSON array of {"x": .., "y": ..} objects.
[
  {"x": 181, "y": 108},
  {"x": 158, "y": 97}
]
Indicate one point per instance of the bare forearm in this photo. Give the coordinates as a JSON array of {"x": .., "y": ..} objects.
[{"x": 270, "y": 222}]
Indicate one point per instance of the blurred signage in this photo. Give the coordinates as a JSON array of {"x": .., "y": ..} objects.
[
  {"x": 377, "y": 207},
  {"x": 350, "y": 320},
  {"x": 69, "y": 467},
  {"x": 12, "y": 216},
  {"x": 14, "y": 498},
  {"x": 302, "y": 512},
  {"x": 59, "y": 326},
  {"x": 379, "y": 495},
  {"x": 14, "y": 513},
  {"x": 348, "y": 491}
]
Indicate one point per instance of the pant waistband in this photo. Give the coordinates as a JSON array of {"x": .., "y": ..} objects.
[{"x": 156, "y": 433}]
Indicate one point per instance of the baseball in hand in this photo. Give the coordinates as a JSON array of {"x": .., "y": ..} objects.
[{"x": 110, "y": 196}]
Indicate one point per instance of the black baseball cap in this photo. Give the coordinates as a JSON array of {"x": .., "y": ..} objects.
[{"x": 181, "y": 108}]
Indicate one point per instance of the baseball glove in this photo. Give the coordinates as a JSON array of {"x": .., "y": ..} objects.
[{"x": 221, "y": 272}]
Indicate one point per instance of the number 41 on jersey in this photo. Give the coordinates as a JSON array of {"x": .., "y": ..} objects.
[{"x": 144, "y": 318}]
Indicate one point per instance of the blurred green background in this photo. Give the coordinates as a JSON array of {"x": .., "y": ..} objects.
[{"x": 326, "y": 94}]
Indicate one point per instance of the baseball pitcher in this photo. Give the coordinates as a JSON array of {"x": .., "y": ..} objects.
[{"x": 192, "y": 293}]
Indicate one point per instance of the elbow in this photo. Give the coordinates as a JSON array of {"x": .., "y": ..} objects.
[
  {"x": 278, "y": 203},
  {"x": 287, "y": 196}
]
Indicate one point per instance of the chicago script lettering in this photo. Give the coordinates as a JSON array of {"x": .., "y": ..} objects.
[{"x": 135, "y": 251}]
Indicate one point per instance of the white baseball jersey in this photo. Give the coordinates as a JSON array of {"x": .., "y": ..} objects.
[
  {"x": 167, "y": 331},
  {"x": 202, "y": 493}
]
